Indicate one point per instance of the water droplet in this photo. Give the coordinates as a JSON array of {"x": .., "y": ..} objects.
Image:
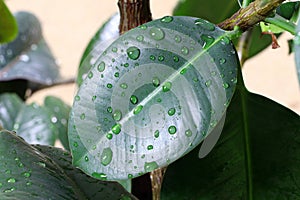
[
  {"x": 171, "y": 111},
  {"x": 138, "y": 109},
  {"x": 133, "y": 99},
  {"x": 106, "y": 156},
  {"x": 133, "y": 52},
  {"x": 172, "y": 129},
  {"x": 157, "y": 33},
  {"x": 150, "y": 166},
  {"x": 183, "y": 71},
  {"x": 82, "y": 116},
  {"x": 11, "y": 180},
  {"x": 155, "y": 82},
  {"x": 208, "y": 83},
  {"x": 130, "y": 176},
  {"x": 166, "y": 19},
  {"x": 109, "y": 85},
  {"x": 177, "y": 38},
  {"x": 205, "y": 24},
  {"x": 109, "y": 136},
  {"x": 117, "y": 115},
  {"x": 234, "y": 80},
  {"x": 90, "y": 75},
  {"x": 94, "y": 98},
  {"x": 42, "y": 164},
  {"x": 86, "y": 158},
  {"x": 184, "y": 50},
  {"x": 117, "y": 74},
  {"x": 116, "y": 129},
  {"x": 150, "y": 147},
  {"x": 26, "y": 174},
  {"x": 208, "y": 41},
  {"x": 167, "y": 86},
  {"x": 152, "y": 57},
  {"x": 100, "y": 176},
  {"x": 75, "y": 144},
  {"x": 77, "y": 98},
  {"x": 213, "y": 123},
  {"x": 123, "y": 85},
  {"x": 156, "y": 134},
  {"x": 161, "y": 58},
  {"x": 143, "y": 27},
  {"x": 140, "y": 38},
  {"x": 114, "y": 49},
  {"x": 24, "y": 58},
  {"x": 109, "y": 109},
  {"x": 226, "y": 85},
  {"x": 28, "y": 183},
  {"x": 222, "y": 61},
  {"x": 9, "y": 190},
  {"x": 175, "y": 58},
  {"x": 188, "y": 133},
  {"x": 226, "y": 40},
  {"x": 101, "y": 67}
]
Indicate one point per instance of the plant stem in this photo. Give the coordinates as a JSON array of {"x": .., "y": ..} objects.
[
  {"x": 133, "y": 13},
  {"x": 156, "y": 177},
  {"x": 282, "y": 23},
  {"x": 247, "y": 17}
]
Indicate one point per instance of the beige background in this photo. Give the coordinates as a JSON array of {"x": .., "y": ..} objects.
[{"x": 68, "y": 26}]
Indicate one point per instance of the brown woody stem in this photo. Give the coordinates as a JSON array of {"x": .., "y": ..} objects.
[
  {"x": 247, "y": 17},
  {"x": 156, "y": 177},
  {"x": 133, "y": 13}
]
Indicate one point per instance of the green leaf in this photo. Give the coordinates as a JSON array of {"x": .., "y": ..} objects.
[
  {"x": 39, "y": 172},
  {"x": 257, "y": 156},
  {"x": 59, "y": 117},
  {"x": 107, "y": 33},
  {"x": 92, "y": 188},
  {"x": 297, "y": 49},
  {"x": 288, "y": 9},
  {"x": 34, "y": 124},
  {"x": 10, "y": 104},
  {"x": 26, "y": 174},
  {"x": 8, "y": 24},
  {"x": 28, "y": 56},
  {"x": 151, "y": 97}
]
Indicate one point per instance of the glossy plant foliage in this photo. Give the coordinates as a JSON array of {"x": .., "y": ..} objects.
[
  {"x": 42, "y": 172},
  {"x": 151, "y": 97},
  {"x": 297, "y": 50},
  {"x": 8, "y": 24}
]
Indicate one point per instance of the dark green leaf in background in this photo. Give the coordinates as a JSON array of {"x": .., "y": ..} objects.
[
  {"x": 8, "y": 24},
  {"x": 107, "y": 33},
  {"x": 28, "y": 56},
  {"x": 257, "y": 156},
  {"x": 59, "y": 117}
]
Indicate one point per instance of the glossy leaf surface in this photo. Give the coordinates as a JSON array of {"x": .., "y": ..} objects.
[
  {"x": 8, "y": 24},
  {"x": 28, "y": 56},
  {"x": 107, "y": 33},
  {"x": 297, "y": 50},
  {"x": 257, "y": 156},
  {"x": 151, "y": 97},
  {"x": 10, "y": 104},
  {"x": 39, "y": 172},
  {"x": 59, "y": 113}
]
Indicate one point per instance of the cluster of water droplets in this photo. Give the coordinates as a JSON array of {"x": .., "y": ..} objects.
[{"x": 151, "y": 91}]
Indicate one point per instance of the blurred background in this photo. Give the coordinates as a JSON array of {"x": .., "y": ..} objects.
[{"x": 69, "y": 25}]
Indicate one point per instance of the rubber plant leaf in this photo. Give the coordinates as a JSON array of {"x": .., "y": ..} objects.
[
  {"x": 28, "y": 173},
  {"x": 151, "y": 97},
  {"x": 28, "y": 56},
  {"x": 107, "y": 33},
  {"x": 255, "y": 158},
  {"x": 59, "y": 112},
  {"x": 10, "y": 105},
  {"x": 8, "y": 24},
  {"x": 297, "y": 50}
]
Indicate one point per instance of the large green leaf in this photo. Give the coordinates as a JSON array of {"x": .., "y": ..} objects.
[
  {"x": 59, "y": 117},
  {"x": 151, "y": 97},
  {"x": 107, "y": 33},
  {"x": 257, "y": 156},
  {"x": 39, "y": 172},
  {"x": 10, "y": 104},
  {"x": 28, "y": 56},
  {"x": 8, "y": 24}
]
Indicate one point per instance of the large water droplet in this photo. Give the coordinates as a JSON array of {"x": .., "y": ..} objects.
[
  {"x": 188, "y": 133},
  {"x": 167, "y": 86},
  {"x": 133, "y": 52},
  {"x": 138, "y": 109},
  {"x": 184, "y": 50},
  {"x": 106, "y": 156},
  {"x": 171, "y": 111},
  {"x": 109, "y": 85},
  {"x": 172, "y": 129},
  {"x": 101, "y": 67},
  {"x": 133, "y": 99},
  {"x": 205, "y": 24},
  {"x": 150, "y": 147},
  {"x": 156, "y": 82},
  {"x": 150, "y": 166},
  {"x": 166, "y": 19},
  {"x": 157, "y": 33},
  {"x": 117, "y": 115},
  {"x": 208, "y": 41},
  {"x": 161, "y": 58},
  {"x": 116, "y": 129},
  {"x": 109, "y": 136},
  {"x": 100, "y": 176}
]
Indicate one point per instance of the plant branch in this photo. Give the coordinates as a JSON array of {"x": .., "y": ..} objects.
[
  {"x": 282, "y": 23},
  {"x": 133, "y": 13},
  {"x": 247, "y": 17}
]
